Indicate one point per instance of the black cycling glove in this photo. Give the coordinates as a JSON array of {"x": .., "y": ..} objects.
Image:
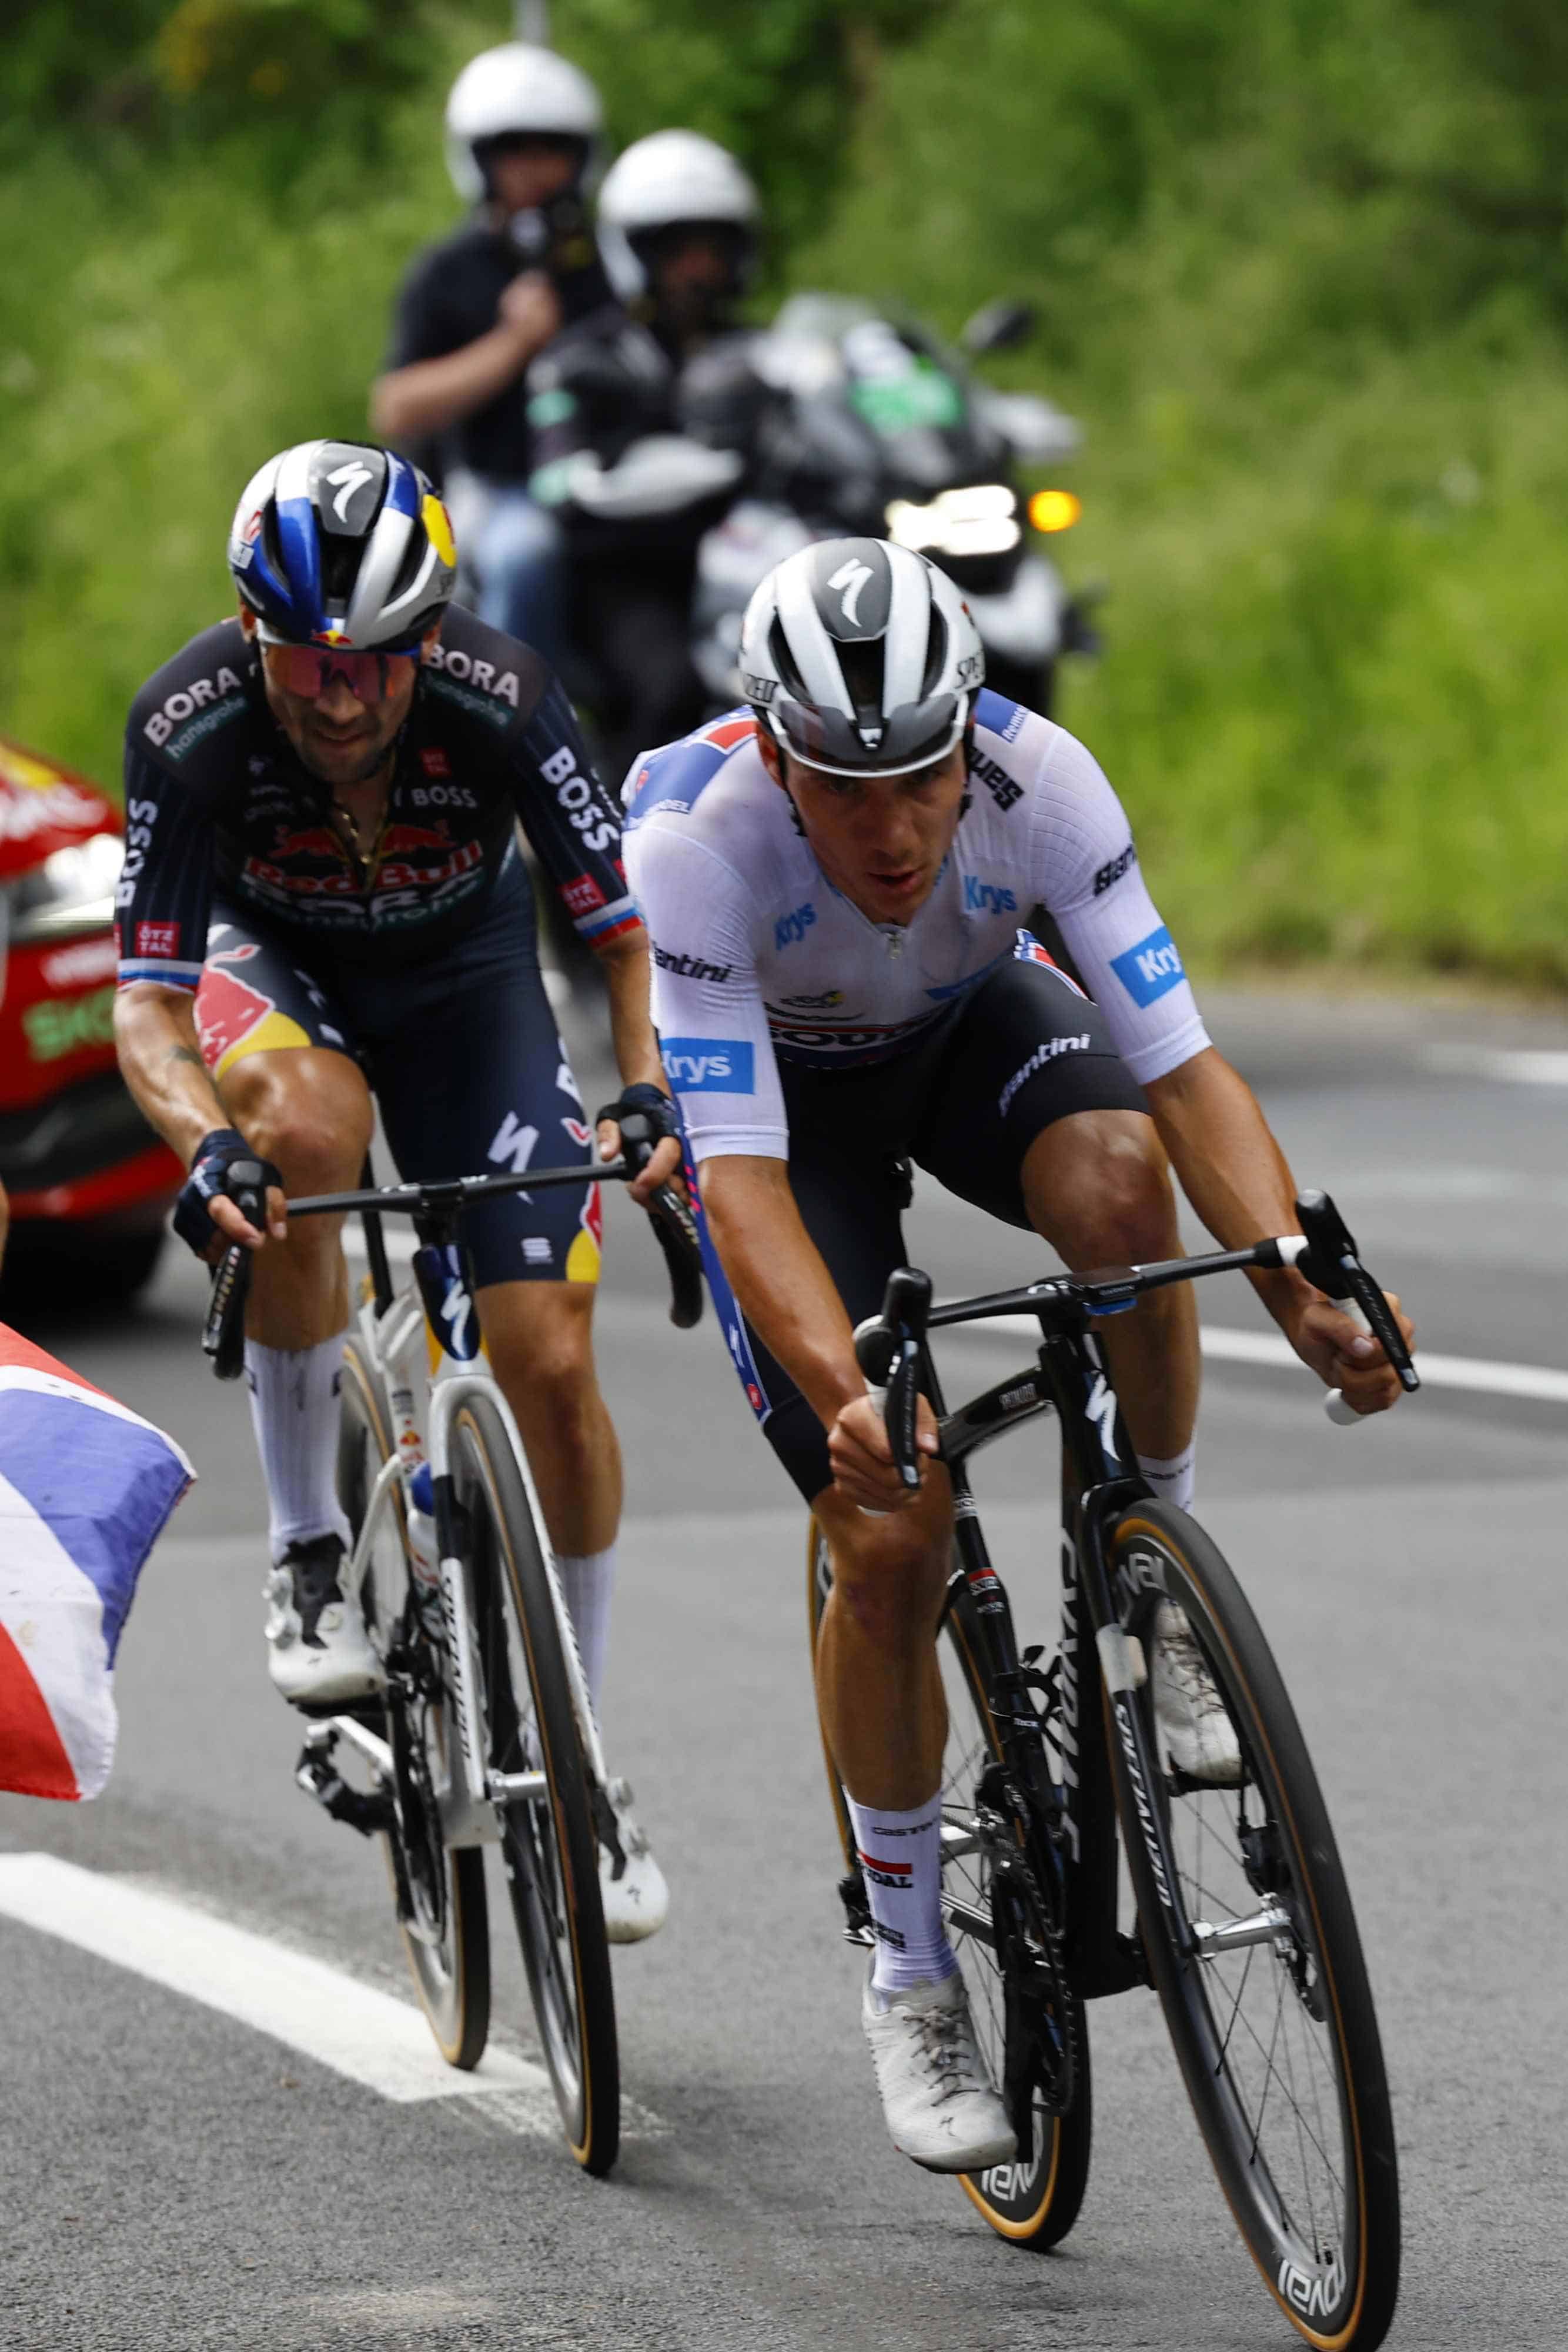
[
  {"x": 224, "y": 1163},
  {"x": 645, "y": 1114}
]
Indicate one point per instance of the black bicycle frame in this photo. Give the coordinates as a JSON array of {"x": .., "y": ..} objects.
[{"x": 1099, "y": 1480}]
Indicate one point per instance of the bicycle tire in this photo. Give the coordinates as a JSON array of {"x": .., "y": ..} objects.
[
  {"x": 442, "y": 1915},
  {"x": 1033, "y": 2201},
  {"x": 1326, "y": 2241},
  {"x": 550, "y": 1849}
]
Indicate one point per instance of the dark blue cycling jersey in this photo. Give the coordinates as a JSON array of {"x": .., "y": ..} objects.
[{"x": 215, "y": 801}]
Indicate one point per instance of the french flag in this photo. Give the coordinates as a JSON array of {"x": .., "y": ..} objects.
[{"x": 86, "y": 1490}]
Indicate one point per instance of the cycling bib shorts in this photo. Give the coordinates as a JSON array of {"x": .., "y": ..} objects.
[{"x": 461, "y": 1051}]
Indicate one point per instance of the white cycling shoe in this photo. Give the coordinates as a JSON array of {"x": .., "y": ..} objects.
[
  {"x": 1199, "y": 1737},
  {"x": 937, "y": 2095},
  {"x": 320, "y": 1653},
  {"x": 632, "y": 1892}
]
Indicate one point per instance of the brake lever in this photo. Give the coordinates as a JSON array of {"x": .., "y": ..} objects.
[
  {"x": 1332, "y": 1262},
  {"x": 223, "y": 1333},
  {"x": 676, "y": 1231},
  {"x": 900, "y": 1409}
]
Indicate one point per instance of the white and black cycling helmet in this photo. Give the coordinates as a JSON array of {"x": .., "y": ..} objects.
[
  {"x": 342, "y": 544},
  {"x": 666, "y": 186},
  {"x": 859, "y": 657},
  {"x": 518, "y": 91}
]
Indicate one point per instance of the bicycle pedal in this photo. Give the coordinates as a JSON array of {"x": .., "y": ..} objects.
[{"x": 365, "y": 1811}]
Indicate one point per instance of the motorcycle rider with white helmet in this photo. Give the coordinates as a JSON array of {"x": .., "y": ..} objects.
[
  {"x": 678, "y": 230},
  {"x": 523, "y": 131},
  {"x": 677, "y": 225}
]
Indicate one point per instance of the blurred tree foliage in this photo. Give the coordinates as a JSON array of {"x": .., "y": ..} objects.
[
  {"x": 1302, "y": 267},
  {"x": 777, "y": 81}
]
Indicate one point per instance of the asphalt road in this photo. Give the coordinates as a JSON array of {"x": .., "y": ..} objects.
[{"x": 172, "y": 2179}]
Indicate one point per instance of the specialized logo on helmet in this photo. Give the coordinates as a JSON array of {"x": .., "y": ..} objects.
[
  {"x": 851, "y": 578},
  {"x": 346, "y": 480}
]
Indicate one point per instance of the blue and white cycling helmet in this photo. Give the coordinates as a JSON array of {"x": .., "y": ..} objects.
[
  {"x": 861, "y": 658},
  {"x": 342, "y": 544}
]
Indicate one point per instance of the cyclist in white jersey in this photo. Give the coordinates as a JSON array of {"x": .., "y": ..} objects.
[{"x": 835, "y": 885}]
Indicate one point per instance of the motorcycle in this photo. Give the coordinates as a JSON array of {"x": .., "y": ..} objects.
[
  {"x": 858, "y": 423},
  {"x": 90, "y": 1185}
]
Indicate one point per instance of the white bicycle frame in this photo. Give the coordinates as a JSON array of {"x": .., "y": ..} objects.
[{"x": 395, "y": 1346}]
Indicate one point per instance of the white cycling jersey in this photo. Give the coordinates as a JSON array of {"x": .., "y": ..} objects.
[{"x": 759, "y": 959}]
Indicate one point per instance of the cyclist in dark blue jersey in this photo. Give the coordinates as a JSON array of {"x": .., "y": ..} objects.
[{"x": 324, "y": 907}]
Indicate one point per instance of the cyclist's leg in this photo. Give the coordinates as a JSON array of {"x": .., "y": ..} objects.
[
  {"x": 878, "y": 1686},
  {"x": 1037, "y": 1120},
  {"x": 280, "y": 1059}
]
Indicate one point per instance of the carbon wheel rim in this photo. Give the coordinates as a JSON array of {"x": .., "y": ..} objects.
[{"x": 1266, "y": 2017}]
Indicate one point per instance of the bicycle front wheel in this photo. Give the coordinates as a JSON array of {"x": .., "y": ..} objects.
[
  {"x": 441, "y": 1908},
  {"x": 547, "y": 1842},
  {"x": 1032, "y": 2200},
  {"x": 1253, "y": 1947}
]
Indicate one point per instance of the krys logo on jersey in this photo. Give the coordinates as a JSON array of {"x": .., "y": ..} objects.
[
  {"x": 709, "y": 1066},
  {"x": 1150, "y": 970}
]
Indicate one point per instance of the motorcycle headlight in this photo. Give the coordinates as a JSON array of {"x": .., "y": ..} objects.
[
  {"x": 981, "y": 519},
  {"x": 72, "y": 891}
]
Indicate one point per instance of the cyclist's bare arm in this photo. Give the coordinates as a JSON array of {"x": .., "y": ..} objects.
[
  {"x": 1236, "y": 1178},
  {"x": 160, "y": 1062},
  {"x": 624, "y": 961},
  {"x": 413, "y": 403},
  {"x": 789, "y": 1297}
]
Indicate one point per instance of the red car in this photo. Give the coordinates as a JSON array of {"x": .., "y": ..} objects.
[{"x": 90, "y": 1185}]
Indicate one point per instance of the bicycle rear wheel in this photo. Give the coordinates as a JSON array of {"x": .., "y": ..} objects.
[
  {"x": 1269, "y": 2008},
  {"x": 548, "y": 1843},
  {"x": 1034, "y": 2200},
  {"x": 440, "y": 1909}
]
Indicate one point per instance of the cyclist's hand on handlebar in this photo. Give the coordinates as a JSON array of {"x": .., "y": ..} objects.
[
  {"x": 1344, "y": 1356},
  {"x": 663, "y": 1164},
  {"x": 863, "y": 1468},
  {"x": 207, "y": 1218}
]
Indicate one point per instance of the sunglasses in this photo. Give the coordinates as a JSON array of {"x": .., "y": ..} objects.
[{"x": 309, "y": 671}]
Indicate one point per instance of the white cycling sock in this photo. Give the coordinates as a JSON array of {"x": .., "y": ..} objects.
[
  {"x": 901, "y": 1862},
  {"x": 1172, "y": 1481},
  {"x": 293, "y": 1405},
  {"x": 587, "y": 1582}
]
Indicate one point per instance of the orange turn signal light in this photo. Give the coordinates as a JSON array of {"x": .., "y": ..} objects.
[{"x": 1054, "y": 509}]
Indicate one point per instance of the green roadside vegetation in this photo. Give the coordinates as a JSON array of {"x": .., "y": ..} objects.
[{"x": 1302, "y": 270}]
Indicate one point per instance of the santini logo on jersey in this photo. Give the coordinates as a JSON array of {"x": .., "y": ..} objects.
[
  {"x": 1150, "y": 970},
  {"x": 988, "y": 897},
  {"x": 1113, "y": 872},
  {"x": 790, "y": 930},
  {"x": 691, "y": 967},
  {"x": 709, "y": 1066}
]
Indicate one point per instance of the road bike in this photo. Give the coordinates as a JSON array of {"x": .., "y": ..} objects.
[
  {"x": 484, "y": 1734},
  {"x": 1243, "y": 1923}
]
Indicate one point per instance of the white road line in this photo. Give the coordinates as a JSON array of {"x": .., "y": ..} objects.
[
  {"x": 1538, "y": 1382},
  {"x": 381, "y": 2043},
  {"x": 1532, "y": 1067}
]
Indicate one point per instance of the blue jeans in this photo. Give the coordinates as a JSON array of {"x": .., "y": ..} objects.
[{"x": 519, "y": 556}]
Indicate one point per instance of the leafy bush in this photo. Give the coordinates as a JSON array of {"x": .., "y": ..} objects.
[{"x": 1301, "y": 268}]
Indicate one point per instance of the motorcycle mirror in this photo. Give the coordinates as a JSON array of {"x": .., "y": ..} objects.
[{"x": 998, "y": 326}]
